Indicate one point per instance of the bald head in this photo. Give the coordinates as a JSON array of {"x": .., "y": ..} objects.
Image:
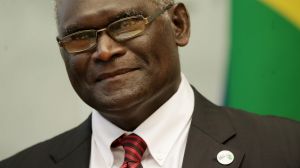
[
  {"x": 161, "y": 2},
  {"x": 158, "y": 3}
]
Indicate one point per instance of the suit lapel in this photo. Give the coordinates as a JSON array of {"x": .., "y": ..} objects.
[
  {"x": 211, "y": 129},
  {"x": 73, "y": 149}
]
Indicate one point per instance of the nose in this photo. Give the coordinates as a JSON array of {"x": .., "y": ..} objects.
[{"x": 107, "y": 48}]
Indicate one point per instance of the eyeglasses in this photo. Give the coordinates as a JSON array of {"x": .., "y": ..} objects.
[{"x": 121, "y": 30}]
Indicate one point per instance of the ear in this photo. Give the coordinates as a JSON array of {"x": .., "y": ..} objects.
[{"x": 181, "y": 24}]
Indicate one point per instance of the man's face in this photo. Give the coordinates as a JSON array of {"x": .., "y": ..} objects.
[{"x": 116, "y": 76}]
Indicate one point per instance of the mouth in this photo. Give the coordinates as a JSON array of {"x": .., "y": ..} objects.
[{"x": 113, "y": 74}]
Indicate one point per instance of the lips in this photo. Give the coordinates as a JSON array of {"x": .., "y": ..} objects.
[{"x": 111, "y": 74}]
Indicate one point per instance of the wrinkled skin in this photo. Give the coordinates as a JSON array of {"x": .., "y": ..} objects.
[{"x": 144, "y": 72}]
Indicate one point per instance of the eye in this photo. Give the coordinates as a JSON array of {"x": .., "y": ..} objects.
[
  {"x": 81, "y": 36},
  {"x": 126, "y": 23}
]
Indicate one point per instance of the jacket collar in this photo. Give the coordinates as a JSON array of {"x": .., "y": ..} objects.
[
  {"x": 210, "y": 130},
  {"x": 73, "y": 148}
]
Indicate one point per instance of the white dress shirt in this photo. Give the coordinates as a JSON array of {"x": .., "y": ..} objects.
[{"x": 165, "y": 133}]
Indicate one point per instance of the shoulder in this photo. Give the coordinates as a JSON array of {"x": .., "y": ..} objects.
[
  {"x": 245, "y": 123},
  {"x": 243, "y": 120},
  {"x": 275, "y": 140},
  {"x": 34, "y": 154},
  {"x": 39, "y": 155},
  {"x": 265, "y": 141}
]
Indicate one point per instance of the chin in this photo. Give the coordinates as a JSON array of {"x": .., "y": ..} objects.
[{"x": 121, "y": 100}]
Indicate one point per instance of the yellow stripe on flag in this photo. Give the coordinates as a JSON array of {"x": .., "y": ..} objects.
[{"x": 288, "y": 8}]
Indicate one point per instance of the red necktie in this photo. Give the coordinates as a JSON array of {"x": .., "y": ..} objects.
[{"x": 134, "y": 147}]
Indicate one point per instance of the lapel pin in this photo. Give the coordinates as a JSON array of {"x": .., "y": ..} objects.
[{"x": 225, "y": 157}]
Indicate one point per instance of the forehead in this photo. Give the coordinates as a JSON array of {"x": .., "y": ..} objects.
[{"x": 77, "y": 11}]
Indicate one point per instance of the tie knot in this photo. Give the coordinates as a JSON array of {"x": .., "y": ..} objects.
[{"x": 134, "y": 147}]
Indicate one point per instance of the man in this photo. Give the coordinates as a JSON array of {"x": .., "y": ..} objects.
[{"x": 122, "y": 59}]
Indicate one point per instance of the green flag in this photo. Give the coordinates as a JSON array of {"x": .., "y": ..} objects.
[{"x": 264, "y": 64}]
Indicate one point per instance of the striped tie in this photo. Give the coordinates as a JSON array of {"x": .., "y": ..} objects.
[{"x": 134, "y": 147}]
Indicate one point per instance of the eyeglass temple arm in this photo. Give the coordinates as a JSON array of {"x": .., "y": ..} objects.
[
  {"x": 59, "y": 42},
  {"x": 151, "y": 18}
]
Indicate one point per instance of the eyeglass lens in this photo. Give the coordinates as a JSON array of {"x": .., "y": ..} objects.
[
  {"x": 120, "y": 30},
  {"x": 126, "y": 29},
  {"x": 80, "y": 41}
]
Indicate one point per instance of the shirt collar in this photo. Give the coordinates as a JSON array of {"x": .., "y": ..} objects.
[
  {"x": 159, "y": 131},
  {"x": 104, "y": 133}
]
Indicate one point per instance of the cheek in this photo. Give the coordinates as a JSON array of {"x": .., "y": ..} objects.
[
  {"x": 158, "y": 49},
  {"x": 155, "y": 45},
  {"x": 165, "y": 54},
  {"x": 76, "y": 66},
  {"x": 164, "y": 49}
]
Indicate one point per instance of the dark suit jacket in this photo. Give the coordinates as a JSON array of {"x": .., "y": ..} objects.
[{"x": 255, "y": 141}]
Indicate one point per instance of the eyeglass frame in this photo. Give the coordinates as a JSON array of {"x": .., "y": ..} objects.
[{"x": 147, "y": 20}]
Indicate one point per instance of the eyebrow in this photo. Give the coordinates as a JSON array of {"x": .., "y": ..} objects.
[
  {"x": 126, "y": 13},
  {"x": 71, "y": 29},
  {"x": 122, "y": 14}
]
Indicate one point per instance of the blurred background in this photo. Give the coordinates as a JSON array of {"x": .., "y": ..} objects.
[{"x": 241, "y": 54}]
